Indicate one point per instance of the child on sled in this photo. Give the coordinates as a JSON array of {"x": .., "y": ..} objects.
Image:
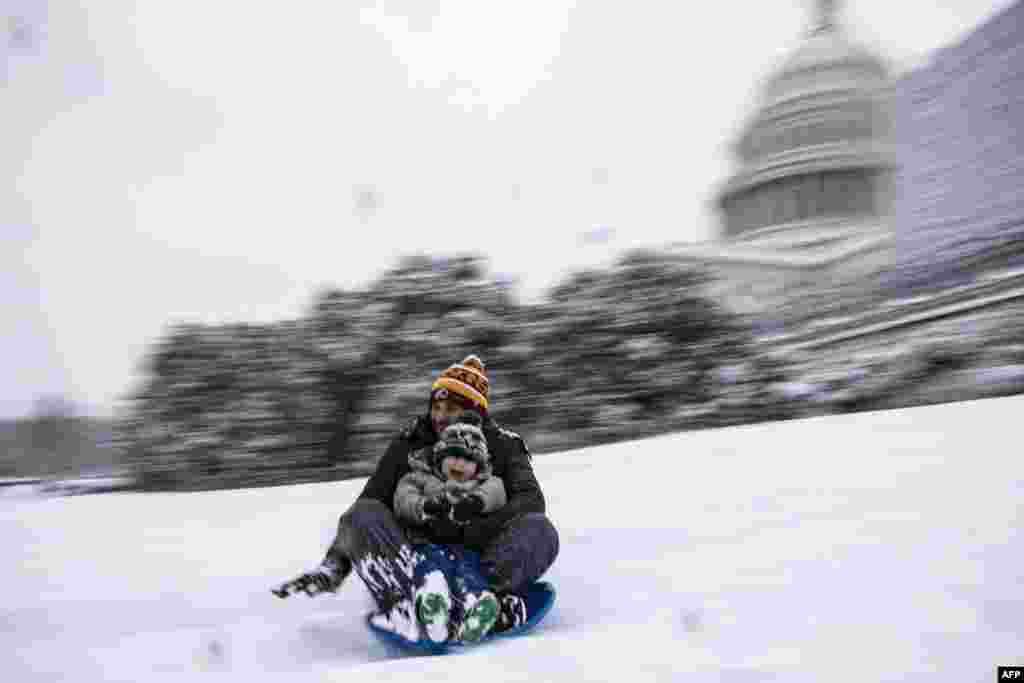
[{"x": 450, "y": 485}]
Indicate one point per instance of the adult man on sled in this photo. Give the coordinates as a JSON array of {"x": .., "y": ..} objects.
[{"x": 516, "y": 543}]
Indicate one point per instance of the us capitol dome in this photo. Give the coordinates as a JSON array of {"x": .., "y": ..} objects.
[{"x": 807, "y": 209}]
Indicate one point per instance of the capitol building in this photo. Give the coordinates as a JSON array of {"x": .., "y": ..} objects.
[
  {"x": 809, "y": 208},
  {"x": 865, "y": 203}
]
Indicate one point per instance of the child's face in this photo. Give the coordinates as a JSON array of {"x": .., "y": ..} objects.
[{"x": 457, "y": 468}]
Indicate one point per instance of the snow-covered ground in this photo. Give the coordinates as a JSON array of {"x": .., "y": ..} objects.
[{"x": 872, "y": 547}]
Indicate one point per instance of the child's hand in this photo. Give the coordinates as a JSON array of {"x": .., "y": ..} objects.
[
  {"x": 437, "y": 507},
  {"x": 467, "y": 509}
]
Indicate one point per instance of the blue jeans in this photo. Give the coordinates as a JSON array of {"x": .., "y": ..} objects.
[{"x": 461, "y": 570}]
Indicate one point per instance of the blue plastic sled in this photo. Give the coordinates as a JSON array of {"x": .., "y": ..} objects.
[{"x": 540, "y": 598}]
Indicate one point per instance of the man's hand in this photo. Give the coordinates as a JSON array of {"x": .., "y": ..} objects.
[{"x": 326, "y": 578}]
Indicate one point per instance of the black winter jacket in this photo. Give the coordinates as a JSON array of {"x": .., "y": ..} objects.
[{"x": 510, "y": 460}]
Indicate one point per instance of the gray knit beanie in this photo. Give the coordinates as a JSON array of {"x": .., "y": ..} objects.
[{"x": 463, "y": 438}]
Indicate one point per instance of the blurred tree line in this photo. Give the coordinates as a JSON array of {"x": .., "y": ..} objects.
[
  {"x": 54, "y": 441},
  {"x": 612, "y": 353},
  {"x": 623, "y": 352}
]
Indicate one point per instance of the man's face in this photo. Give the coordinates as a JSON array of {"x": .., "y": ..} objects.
[{"x": 443, "y": 413}]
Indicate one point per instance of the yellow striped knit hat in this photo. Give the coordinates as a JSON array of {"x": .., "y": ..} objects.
[{"x": 464, "y": 382}]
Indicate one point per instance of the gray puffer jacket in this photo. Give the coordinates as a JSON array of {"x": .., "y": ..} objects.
[{"x": 426, "y": 480}]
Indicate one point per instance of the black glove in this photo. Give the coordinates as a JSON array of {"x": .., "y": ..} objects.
[
  {"x": 444, "y": 530},
  {"x": 467, "y": 509},
  {"x": 326, "y": 578},
  {"x": 481, "y": 531},
  {"x": 437, "y": 507}
]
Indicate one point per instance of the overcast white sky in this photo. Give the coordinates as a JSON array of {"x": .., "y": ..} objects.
[{"x": 170, "y": 161}]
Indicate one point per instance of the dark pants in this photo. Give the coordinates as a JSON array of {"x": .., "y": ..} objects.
[{"x": 370, "y": 538}]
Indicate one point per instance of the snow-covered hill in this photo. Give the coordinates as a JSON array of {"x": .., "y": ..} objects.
[{"x": 870, "y": 547}]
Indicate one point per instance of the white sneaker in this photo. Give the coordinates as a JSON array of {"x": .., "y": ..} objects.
[{"x": 400, "y": 620}]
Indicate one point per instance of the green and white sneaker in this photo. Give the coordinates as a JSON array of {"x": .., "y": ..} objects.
[
  {"x": 480, "y": 616},
  {"x": 433, "y": 606}
]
